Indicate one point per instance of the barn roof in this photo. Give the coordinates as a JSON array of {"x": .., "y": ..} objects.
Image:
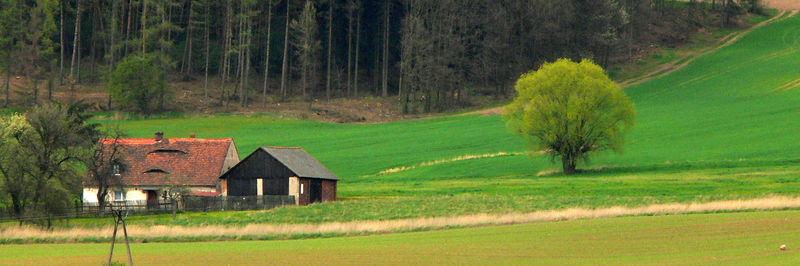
[
  {"x": 300, "y": 162},
  {"x": 172, "y": 161},
  {"x": 296, "y": 159}
]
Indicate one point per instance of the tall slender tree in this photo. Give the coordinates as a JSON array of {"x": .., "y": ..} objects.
[
  {"x": 61, "y": 41},
  {"x": 305, "y": 41},
  {"x": 358, "y": 46},
  {"x": 351, "y": 7},
  {"x": 267, "y": 50},
  {"x": 207, "y": 24},
  {"x": 385, "y": 72},
  {"x": 76, "y": 41},
  {"x": 285, "y": 67},
  {"x": 330, "y": 50}
]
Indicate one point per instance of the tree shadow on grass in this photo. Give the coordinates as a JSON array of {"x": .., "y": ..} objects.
[{"x": 671, "y": 167}]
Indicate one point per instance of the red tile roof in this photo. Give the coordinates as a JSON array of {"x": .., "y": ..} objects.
[
  {"x": 206, "y": 193},
  {"x": 172, "y": 161}
]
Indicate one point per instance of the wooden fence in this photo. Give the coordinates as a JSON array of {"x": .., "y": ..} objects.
[{"x": 186, "y": 203}]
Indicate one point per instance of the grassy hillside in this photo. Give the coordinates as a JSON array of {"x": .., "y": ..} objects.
[
  {"x": 724, "y": 127},
  {"x": 733, "y": 238}
]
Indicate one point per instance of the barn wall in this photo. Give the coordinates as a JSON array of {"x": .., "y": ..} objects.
[
  {"x": 276, "y": 186},
  {"x": 242, "y": 187},
  {"x": 259, "y": 165},
  {"x": 328, "y": 190},
  {"x": 305, "y": 192}
]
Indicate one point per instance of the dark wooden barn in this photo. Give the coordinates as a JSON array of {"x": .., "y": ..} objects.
[{"x": 281, "y": 171}]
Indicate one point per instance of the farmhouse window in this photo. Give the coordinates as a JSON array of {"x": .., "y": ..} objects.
[
  {"x": 119, "y": 195},
  {"x": 301, "y": 188},
  {"x": 155, "y": 170},
  {"x": 115, "y": 169}
]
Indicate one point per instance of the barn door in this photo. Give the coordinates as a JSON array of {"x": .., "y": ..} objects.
[{"x": 316, "y": 191}]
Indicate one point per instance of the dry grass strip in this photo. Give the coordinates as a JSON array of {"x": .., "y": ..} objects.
[{"x": 354, "y": 227}]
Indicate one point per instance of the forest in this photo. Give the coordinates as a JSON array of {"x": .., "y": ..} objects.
[{"x": 432, "y": 55}]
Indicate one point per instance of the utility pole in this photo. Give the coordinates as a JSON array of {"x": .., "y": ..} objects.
[{"x": 119, "y": 218}]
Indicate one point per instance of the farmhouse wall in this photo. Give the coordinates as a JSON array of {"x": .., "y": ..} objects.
[
  {"x": 231, "y": 159},
  {"x": 133, "y": 193}
]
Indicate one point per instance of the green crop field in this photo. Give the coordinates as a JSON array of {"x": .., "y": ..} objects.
[
  {"x": 724, "y": 127},
  {"x": 732, "y": 238}
]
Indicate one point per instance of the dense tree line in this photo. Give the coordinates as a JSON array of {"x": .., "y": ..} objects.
[{"x": 431, "y": 53}]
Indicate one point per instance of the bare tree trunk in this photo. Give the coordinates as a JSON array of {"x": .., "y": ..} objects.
[
  {"x": 144, "y": 26},
  {"x": 400, "y": 79},
  {"x": 208, "y": 48},
  {"x": 75, "y": 42},
  {"x": 246, "y": 73},
  {"x": 187, "y": 66},
  {"x": 111, "y": 48},
  {"x": 385, "y": 74},
  {"x": 330, "y": 50},
  {"x": 128, "y": 30},
  {"x": 35, "y": 99},
  {"x": 265, "y": 86},
  {"x": 225, "y": 50},
  {"x": 285, "y": 68},
  {"x": 240, "y": 55},
  {"x": 350, "y": 49},
  {"x": 164, "y": 14},
  {"x": 358, "y": 42},
  {"x": 50, "y": 87},
  {"x": 61, "y": 45},
  {"x": 8, "y": 81}
]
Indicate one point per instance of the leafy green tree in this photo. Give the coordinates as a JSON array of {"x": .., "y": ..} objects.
[
  {"x": 570, "y": 110},
  {"x": 50, "y": 152},
  {"x": 40, "y": 157},
  {"x": 138, "y": 82},
  {"x": 16, "y": 184}
]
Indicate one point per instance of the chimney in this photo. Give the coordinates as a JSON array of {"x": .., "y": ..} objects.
[{"x": 159, "y": 136}]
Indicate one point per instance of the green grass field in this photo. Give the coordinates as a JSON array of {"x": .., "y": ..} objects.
[
  {"x": 731, "y": 238},
  {"x": 721, "y": 128}
]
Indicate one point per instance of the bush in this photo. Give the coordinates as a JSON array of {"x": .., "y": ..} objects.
[{"x": 138, "y": 82}]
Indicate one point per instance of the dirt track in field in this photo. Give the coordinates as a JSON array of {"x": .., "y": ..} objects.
[{"x": 687, "y": 59}]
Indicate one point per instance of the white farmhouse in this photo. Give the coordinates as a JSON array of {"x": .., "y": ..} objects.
[{"x": 153, "y": 165}]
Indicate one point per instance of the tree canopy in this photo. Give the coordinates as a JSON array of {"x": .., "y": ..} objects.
[{"x": 570, "y": 110}]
